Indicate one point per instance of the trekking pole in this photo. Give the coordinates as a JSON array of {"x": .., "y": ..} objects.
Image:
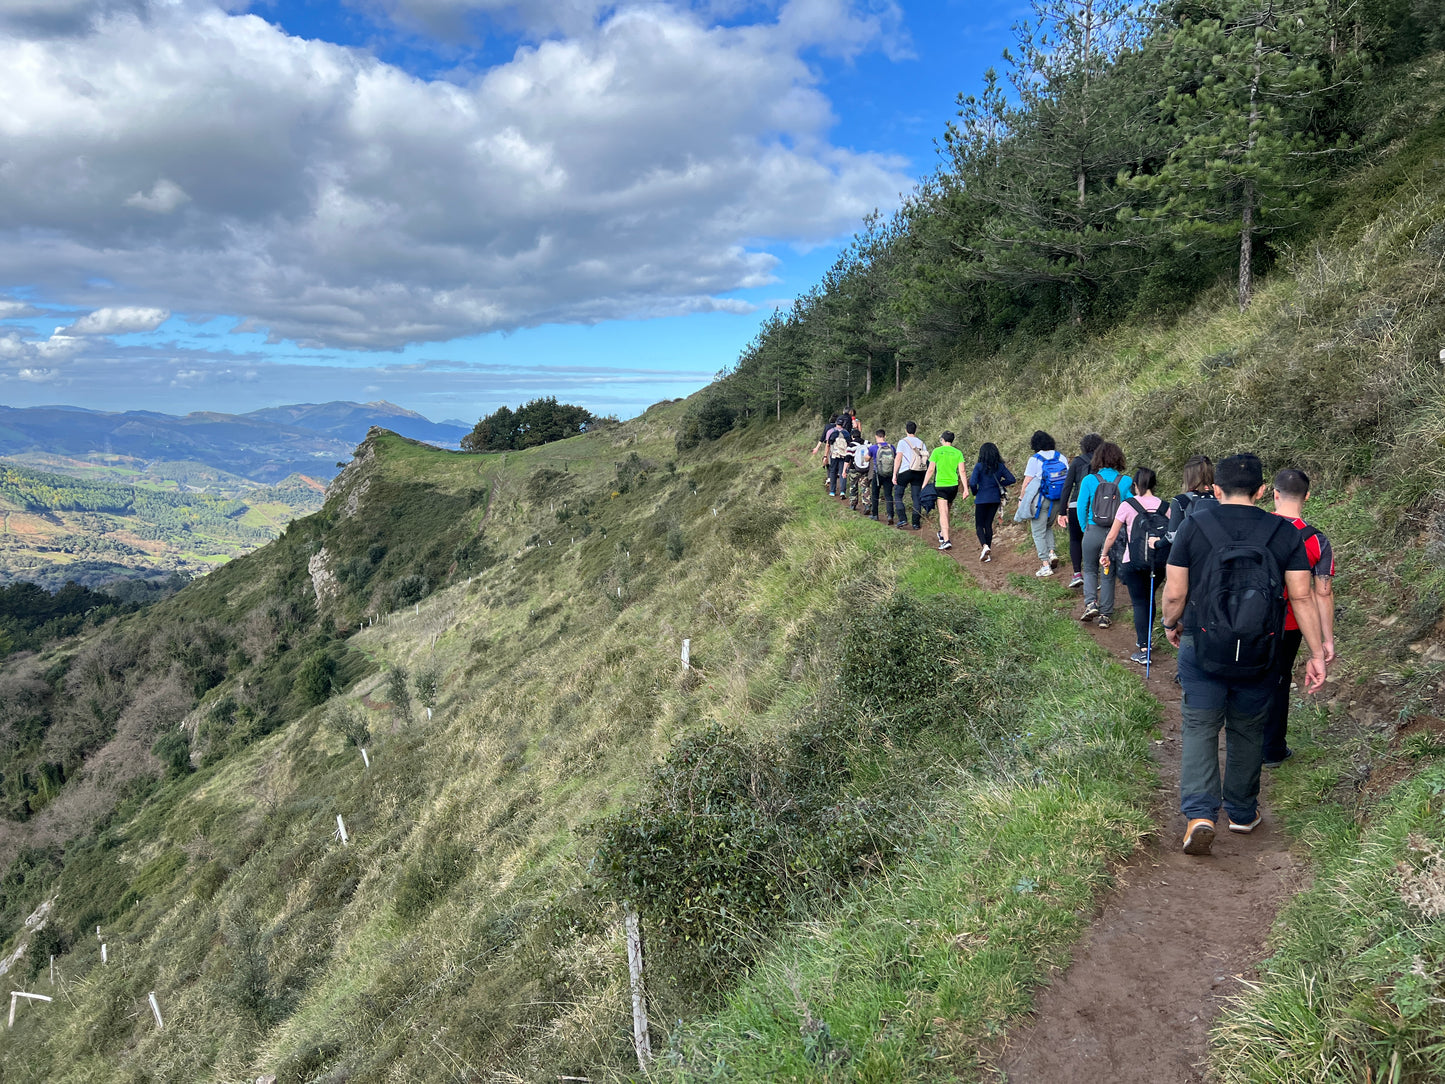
[{"x": 1149, "y": 639}]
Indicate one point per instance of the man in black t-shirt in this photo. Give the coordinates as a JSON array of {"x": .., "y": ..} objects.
[{"x": 1211, "y": 700}]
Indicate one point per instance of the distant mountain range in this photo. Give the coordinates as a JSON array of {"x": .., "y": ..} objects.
[{"x": 262, "y": 446}]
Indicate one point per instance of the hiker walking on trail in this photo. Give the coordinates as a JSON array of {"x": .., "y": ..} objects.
[
  {"x": 839, "y": 439},
  {"x": 908, "y": 470},
  {"x": 1045, "y": 477},
  {"x": 1198, "y": 492},
  {"x": 1101, "y": 493},
  {"x": 856, "y": 472},
  {"x": 1079, "y": 468},
  {"x": 1291, "y": 490},
  {"x": 1231, "y": 570},
  {"x": 1143, "y": 522},
  {"x": 825, "y": 445},
  {"x": 987, "y": 483},
  {"x": 882, "y": 457},
  {"x": 943, "y": 465}
]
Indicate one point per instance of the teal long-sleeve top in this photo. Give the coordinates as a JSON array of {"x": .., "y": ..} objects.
[{"x": 1091, "y": 483}]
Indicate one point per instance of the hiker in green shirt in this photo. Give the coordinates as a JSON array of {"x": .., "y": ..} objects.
[{"x": 943, "y": 466}]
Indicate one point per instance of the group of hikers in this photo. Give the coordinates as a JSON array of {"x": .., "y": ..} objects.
[{"x": 1242, "y": 588}]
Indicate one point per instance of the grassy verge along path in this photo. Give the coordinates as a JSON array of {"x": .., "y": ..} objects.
[{"x": 916, "y": 974}]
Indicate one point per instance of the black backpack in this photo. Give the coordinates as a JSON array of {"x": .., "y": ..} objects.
[
  {"x": 1105, "y": 505},
  {"x": 1149, "y": 538},
  {"x": 1239, "y": 603}
]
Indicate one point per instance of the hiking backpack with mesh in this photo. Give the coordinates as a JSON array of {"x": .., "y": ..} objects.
[{"x": 887, "y": 456}]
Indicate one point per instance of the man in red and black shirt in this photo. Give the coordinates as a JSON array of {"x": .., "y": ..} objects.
[{"x": 1291, "y": 490}]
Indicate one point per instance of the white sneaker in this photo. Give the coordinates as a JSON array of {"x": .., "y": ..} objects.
[
  {"x": 1044, "y": 570},
  {"x": 1053, "y": 559},
  {"x": 984, "y": 555}
]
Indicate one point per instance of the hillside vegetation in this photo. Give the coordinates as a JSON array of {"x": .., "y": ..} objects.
[{"x": 861, "y": 827}]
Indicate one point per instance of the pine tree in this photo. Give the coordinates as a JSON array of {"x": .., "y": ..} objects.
[{"x": 1245, "y": 77}]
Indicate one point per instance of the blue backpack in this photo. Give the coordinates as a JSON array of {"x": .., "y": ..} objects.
[{"x": 1055, "y": 474}]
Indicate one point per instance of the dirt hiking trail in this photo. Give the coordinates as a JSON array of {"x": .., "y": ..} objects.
[{"x": 1176, "y": 934}]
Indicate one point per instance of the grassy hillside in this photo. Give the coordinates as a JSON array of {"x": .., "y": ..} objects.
[{"x": 857, "y": 831}]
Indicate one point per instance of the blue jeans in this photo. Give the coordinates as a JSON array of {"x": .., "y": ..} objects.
[
  {"x": 1241, "y": 708},
  {"x": 835, "y": 473}
]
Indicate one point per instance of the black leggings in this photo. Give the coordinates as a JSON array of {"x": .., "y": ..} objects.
[
  {"x": 1141, "y": 595},
  {"x": 1076, "y": 542},
  {"x": 983, "y": 517}
]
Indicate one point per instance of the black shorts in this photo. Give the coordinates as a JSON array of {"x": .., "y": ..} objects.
[{"x": 946, "y": 493}]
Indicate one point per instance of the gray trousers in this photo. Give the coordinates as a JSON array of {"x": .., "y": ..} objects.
[
  {"x": 1098, "y": 588},
  {"x": 1042, "y": 528}
]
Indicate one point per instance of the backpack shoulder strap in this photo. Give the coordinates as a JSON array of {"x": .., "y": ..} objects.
[
  {"x": 1212, "y": 531},
  {"x": 1133, "y": 502}
]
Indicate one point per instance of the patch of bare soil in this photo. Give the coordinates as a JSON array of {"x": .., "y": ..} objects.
[{"x": 1177, "y": 934}]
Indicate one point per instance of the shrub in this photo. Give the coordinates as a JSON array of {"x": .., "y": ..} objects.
[
  {"x": 348, "y": 721},
  {"x": 674, "y": 543},
  {"x": 173, "y": 749},
  {"x": 398, "y": 691},
  {"x": 733, "y": 836},
  {"x": 314, "y": 679}
]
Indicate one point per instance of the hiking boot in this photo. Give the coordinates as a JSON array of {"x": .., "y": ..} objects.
[
  {"x": 1044, "y": 570},
  {"x": 1090, "y": 612},
  {"x": 1245, "y": 829},
  {"x": 945, "y": 545},
  {"x": 1141, "y": 657},
  {"x": 1276, "y": 763},
  {"x": 1199, "y": 836},
  {"x": 1105, "y": 621},
  {"x": 1077, "y": 580}
]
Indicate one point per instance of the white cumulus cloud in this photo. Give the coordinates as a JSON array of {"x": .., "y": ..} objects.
[
  {"x": 175, "y": 153},
  {"x": 120, "y": 321}
]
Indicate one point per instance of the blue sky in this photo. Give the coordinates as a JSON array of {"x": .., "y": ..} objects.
[{"x": 449, "y": 204}]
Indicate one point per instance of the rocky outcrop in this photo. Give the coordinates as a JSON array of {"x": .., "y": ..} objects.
[{"x": 323, "y": 580}]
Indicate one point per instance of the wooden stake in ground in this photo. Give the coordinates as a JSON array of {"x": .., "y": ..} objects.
[
  {"x": 641, "y": 1039},
  {"x": 160, "y": 1024}
]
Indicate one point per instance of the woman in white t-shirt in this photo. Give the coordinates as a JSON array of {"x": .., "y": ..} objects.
[
  {"x": 1140, "y": 584},
  {"x": 1036, "y": 507}
]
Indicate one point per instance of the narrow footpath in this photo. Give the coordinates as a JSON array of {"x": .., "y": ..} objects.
[{"x": 1176, "y": 935}]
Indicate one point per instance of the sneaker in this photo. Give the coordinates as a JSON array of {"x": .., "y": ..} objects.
[
  {"x": 1199, "y": 836},
  {"x": 1077, "y": 580},
  {"x": 1105, "y": 621},
  {"x": 1245, "y": 829},
  {"x": 873, "y": 518},
  {"x": 1141, "y": 657},
  {"x": 945, "y": 545},
  {"x": 1276, "y": 763},
  {"x": 984, "y": 554},
  {"x": 1054, "y": 561},
  {"x": 890, "y": 520},
  {"x": 940, "y": 535},
  {"x": 831, "y": 493},
  {"x": 1045, "y": 570},
  {"x": 902, "y": 526},
  {"x": 1090, "y": 612}
]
